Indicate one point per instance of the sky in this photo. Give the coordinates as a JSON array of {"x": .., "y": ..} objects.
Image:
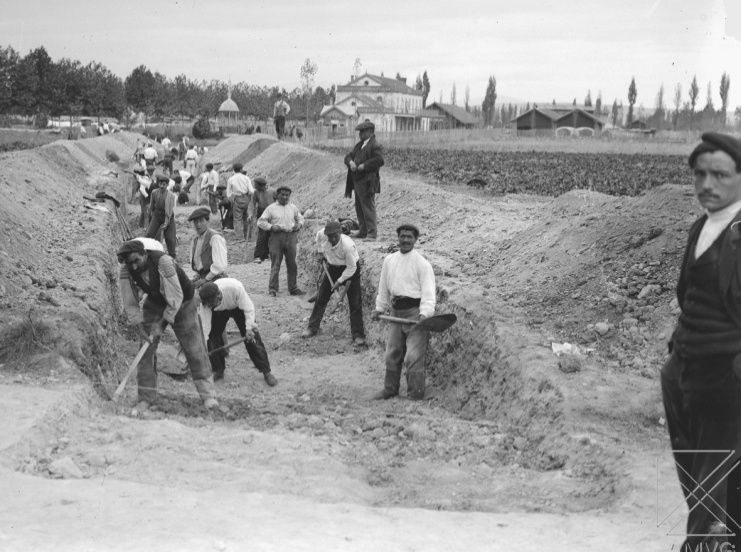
[{"x": 537, "y": 50}]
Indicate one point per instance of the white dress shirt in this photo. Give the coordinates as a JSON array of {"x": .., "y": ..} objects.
[
  {"x": 408, "y": 275},
  {"x": 714, "y": 226},
  {"x": 284, "y": 216},
  {"x": 233, "y": 296},
  {"x": 239, "y": 184}
]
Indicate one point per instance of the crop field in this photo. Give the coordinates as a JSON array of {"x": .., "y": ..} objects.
[{"x": 539, "y": 172}]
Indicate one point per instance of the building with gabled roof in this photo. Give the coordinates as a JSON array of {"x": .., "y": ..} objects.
[
  {"x": 390, "y": 104},
  {"x": 453, "y": 116},
  {"x": 559, "y": 119}
]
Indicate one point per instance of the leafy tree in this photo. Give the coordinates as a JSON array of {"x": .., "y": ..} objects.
[
  {"x": 632, "y": 95},
  {"x": 453, "y": 95},
  {"x": 658, "y": 116},
  {"x": 598, "y": 105},
  {"x": 140, "y": 90},
  {"x": 418, "y": 84},
  {"x": 425, "y": 89},
  {"x": 614, "y": 113},
  {"x": 725, "y": 85},
  {"x": 490, "y": 100},
  {"x": 467, "y": 99},
  {"x": 677, "y": 103},
  {"x": 587, "y": 100},
  {"x": 9, "y": 62},
  {"x": 694, "y": 93},
  {"x": 308, "y": 71}
]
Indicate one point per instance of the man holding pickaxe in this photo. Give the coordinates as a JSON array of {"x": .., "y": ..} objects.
[
  {"x": 407, "y": 288},
  {"x": 224, "y": 299},
  {"x": 169, "y": 300},
  {"x": 339, "y": 257}
]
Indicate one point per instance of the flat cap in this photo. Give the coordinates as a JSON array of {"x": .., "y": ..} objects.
[
  {"x": 177, "y": 179},
  {"x": 409, "y": 227},
  {"x": 131, "y": 246},
  {"x": 200, "y": 212},
  {"x": 366, "y": 125},
  {"x": 714, "y": 141},
  {"x": 332, "y": 227},
  {"x": 260, "y": 180},
  {"x": 208, "y": 291},
  {"x": 286, "y": 188},
  {"x": 162, "y": 178},
  {"x": 237, "y": 167}
]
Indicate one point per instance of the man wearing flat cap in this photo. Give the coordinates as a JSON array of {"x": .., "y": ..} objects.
[
  {"x": 341, "y": 259},
  {"x": 363, "y": 164},
  {"x": 283, "y": 220},
  {"x": 701, "y": 380},
  {"x": 162, "y": 215},
  {"x": 208, "y": 257},
  {"x": 239, "y": 191},
  {"x": 263, "y": 197},
  {"x": 169, "y": 300},
  {"x": 407, "y": 289}
]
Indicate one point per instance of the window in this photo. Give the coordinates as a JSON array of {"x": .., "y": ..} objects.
[{"x": 366, "y": 83}]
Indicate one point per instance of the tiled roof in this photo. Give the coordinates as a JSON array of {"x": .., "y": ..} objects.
[
  {"x": 393, "y": 85},
  {"x": 457, "y": 113}
]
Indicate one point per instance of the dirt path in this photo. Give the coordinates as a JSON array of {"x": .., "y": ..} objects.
[{"x": 314, "y": 464}]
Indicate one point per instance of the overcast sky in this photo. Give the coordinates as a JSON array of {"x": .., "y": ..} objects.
[{"x": 538, "y": 50}]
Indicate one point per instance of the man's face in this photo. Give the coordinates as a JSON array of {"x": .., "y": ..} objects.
[
  {"x": 200, "y": 225},
  {"x": 717, "y": 182},
  {"x": 406, "y": 241},
  {"x": 136, "y": 262},
  {"x": 213, "y": 302},
  {"x": 283, "y": 197},
  {"x": 162, "y": 184},
  {"x": 334, "y": 238},
  {"x": 365, "y": 134}
]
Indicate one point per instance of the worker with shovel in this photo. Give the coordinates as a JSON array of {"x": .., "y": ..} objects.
[
  {"x": 224, "y": 299},
  {"x": 407, "y": 288},
  {"x": 169, "y": 300},
  {"x": 340, "y": 259}
]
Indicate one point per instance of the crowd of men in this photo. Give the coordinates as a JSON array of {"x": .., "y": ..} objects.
[{"x": 157, "y": 292}]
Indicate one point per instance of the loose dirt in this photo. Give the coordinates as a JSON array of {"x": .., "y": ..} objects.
[{"x": 508, "y": 451}]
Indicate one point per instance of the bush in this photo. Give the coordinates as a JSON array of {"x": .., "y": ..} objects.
[
  {"x": 41, "y": 120},
  {"x": 202, "y": 129}
]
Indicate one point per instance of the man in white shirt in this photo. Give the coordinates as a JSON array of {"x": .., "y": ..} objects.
[
  {"x": 283, "y": 220},
  {"x": 342, "y": 260},
  {"x": 701, "y": 380},
  {"x": 191, "y": 158},
  {"x": 280, "y": 110},
  {"x": 224, "y": 299},
  {"x": 239, "y": 191},
  {"x": 166, "y": 143},
  {"x": 150, "y": 155},
  {"x": 208, "y": 257},
  {"x": 407, "y": 288}
]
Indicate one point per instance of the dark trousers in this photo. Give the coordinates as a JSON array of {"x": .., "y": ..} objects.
[
  {"x": 354, "y": 300},
  {"x": 365, "y": 209},
  {"x": 256, "y": 349},
  {"x": 406, "y": 346},
  {"x": 280, "y": 126},
  {"x": 283, "y": 244},
  {"x": 261, "y": 242},
  {"x": 144, "y": 216},
  {"x": 170, "y": 239},
  {"x": 190, "y": 336},
  {"x": 702, "y": 400}
]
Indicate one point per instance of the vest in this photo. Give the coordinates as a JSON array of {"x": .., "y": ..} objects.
[
  {"x": 206, "y": 257},
  {"x": 159, "y": 198},
  {"x": 152, "y": 289},
  {"x": 705, "y": 327}
]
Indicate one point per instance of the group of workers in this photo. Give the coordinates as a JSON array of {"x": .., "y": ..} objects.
[{"x": 156, "y": 291}]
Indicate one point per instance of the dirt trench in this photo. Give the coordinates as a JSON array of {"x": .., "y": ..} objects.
[{"x": 499, "y": 433}]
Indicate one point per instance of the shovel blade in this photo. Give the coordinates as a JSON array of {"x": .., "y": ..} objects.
[{"x": 438, "y": 323}]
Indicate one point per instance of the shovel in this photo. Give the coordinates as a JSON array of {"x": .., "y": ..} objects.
[
  {"x": 228, "y": 346},
  {"x": 438, "y": 323}
]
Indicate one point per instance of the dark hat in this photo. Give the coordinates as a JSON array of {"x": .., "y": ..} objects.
[
  {"x": 131, "y": 246},
  {"x": 260, "y": 180},
  {"x": 332, "y": 227},
  {"x": 139, "y": 171},
  {"x": 177, "y": 179},
  {"x": 366, "y": 125},
  {"x": 237, "y": 167},
  {"x": 209, "y": 166},
  {"x": 411, "y": 227},
  {"x": 714, "y": 141},
  {"x": 200, "y": 212},
  {"x": 281, "y": 188},
  {"x": 346, "y": 226},
  {"x": 208, "y": 291},
  {"x": 162, "y": 178},
  {"x": 150, "y": 168}
]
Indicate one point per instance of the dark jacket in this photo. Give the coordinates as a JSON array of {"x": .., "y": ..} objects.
[
  {"x": 729, "y": 266},
  {"x": 367, "y": 181}
]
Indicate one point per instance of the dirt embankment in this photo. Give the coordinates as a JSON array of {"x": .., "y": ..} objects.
[{"x": 58, "y": 279}]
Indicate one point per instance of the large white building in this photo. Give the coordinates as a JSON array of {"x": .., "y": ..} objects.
[{"x": 390, "y": 104}]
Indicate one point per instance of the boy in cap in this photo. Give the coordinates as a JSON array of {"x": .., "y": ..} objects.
[
  {"x": 162, "y": 214},
  {"x": 340, "y": 256},
  {"x": 283, "y": 220},
  {"x": 224, "y": 299},
  {"x": 363, "y": 165},
  {"x": 208, "y": 256},
  {"x": 701, "y": 380}
]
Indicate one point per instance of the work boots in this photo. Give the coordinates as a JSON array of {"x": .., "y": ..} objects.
[
  {"x": 416, "y": 385},
  {"x": 390, "y": 386}
]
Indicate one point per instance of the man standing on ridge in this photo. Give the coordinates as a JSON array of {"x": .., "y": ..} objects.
[
  {"x": 363, "y": 164},
  {"x": 280, "y": 110},
  {"x": 701, "y": 380}
]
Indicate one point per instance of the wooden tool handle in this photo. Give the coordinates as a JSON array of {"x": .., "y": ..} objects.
[
  {"x": 397, "y": 320},
  {"x": 133, "y": 366},
  {"x": 228, "y": 346}
]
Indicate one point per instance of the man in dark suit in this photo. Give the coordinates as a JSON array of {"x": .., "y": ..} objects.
[
  {"x": 701, "y": 381},
  {"x": 363, "y": 164}
]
